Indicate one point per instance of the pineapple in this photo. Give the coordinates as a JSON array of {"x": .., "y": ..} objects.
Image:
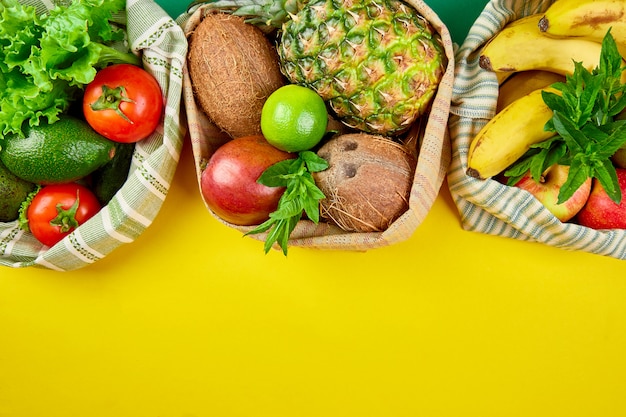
[{"x": 377, "y": 63}]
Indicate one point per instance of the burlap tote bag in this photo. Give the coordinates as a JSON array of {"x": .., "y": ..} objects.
[
  {"x": 432, "y": 164},
  {"x": 487, "y": 206},
  {"x": 156, "y": 37}
]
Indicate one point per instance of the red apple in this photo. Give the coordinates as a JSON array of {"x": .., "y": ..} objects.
[
  {"x": 229, "y": 181},
  {"x": 601, "y": 212},
  {"x": 547, "y": 192}
]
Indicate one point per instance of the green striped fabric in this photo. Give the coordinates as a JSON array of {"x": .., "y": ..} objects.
[
  {"x": 154, "y": 35},
  {"x": 488, "y": 206}
]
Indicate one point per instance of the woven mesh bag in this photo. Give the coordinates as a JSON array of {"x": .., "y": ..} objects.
[
  {"x": 487, "y": 206},
  {"x": 432, "y": 164},
  {"x": 156, "y": 37}
]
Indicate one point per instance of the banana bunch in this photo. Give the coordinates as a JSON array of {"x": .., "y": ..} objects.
[
  {"x": 525, "y": 82},
  {"x": 586, "y": 20},
  {"x": 530, "y": 48},
  {"x": 522, "y": 46},
  {"x": 509, "y": 134}
]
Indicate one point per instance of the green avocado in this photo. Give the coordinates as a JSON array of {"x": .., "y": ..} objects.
[
  {"x": 109, "y": 178},
  {"x": 13, "y": 191},
  {"x": 63, "y": 151}
]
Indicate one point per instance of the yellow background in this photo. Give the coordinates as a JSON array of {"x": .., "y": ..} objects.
[{"x": 194, "y": 320}]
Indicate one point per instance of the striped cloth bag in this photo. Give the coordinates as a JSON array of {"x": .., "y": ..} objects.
[
  {"x": 487, "y": 206},
  {"x": 154, "y": 35},
  {"x": 432, "y": 165}
]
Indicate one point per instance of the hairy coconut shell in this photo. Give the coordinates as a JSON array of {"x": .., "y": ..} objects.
[
  {"x": 368, "y": 182},
  {"x": 233, "y": 68}
]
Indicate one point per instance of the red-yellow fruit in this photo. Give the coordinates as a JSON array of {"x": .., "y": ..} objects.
[{"x": 229, "y": 181}]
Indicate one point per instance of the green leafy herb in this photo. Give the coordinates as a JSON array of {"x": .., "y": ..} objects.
[
  {"x": 584, "y": 120},
  {"x": 46, "y": 59},
  {"x": 301, "y": 196},
  {"x": 23, "y": 211}
]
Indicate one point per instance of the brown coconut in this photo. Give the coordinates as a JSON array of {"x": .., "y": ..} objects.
[
  {"x": 233, "y": 68},
  {"x": 368, "y": 182}
]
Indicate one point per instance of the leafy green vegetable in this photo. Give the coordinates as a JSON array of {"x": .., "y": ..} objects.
[
  {"x": 587, "y": 134},
  {"x": 46, "y": 59},
  {"x": 22, "y": 219},
  {"x": 301, "y": 196}
]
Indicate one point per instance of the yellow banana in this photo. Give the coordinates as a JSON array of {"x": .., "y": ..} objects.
[
  {"x": 521, "y": 46},
  {"x": 506, "y": 137},
  {"x": 503, "y": 76},
  {"x": 587, "y": 19},
  {"x": 525, "y": 82}
]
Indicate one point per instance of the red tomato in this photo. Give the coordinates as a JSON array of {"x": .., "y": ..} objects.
[
  {"x": 123, "y": 103},
  {"x": 56, "y": 210}
]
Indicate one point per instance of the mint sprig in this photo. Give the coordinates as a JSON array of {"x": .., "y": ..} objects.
[
  {"x": 587, "y": 134},
  {"x": 301, "y": 196}
]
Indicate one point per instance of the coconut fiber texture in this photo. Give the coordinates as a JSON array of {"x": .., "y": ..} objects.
[
  {"x": 487, "y": 206},
  {"x": 153, "y": 35},
  {"x": 432, "y": 165}
]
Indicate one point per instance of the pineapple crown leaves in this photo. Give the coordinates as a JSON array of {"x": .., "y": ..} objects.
[{"x": 271, "y": 13}]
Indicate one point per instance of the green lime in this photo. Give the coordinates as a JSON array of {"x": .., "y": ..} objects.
[{"x": 294, "y": 118}]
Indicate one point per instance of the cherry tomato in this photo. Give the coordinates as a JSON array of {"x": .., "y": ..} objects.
[
  {"x": 123, "y": 103},
  {"x": 58, "y": 209}
]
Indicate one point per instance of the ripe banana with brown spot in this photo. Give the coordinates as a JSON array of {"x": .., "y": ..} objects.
[
  {"x": 586, "y": 19},
  {"x": 508, "y": 135},
  {"x": 521, "y": 46}
]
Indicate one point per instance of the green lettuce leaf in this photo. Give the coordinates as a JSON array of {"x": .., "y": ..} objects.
[{"x": 46, "y": 60}]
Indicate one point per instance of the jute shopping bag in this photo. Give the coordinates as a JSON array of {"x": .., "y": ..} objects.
[{"x": 432, "y": 164}]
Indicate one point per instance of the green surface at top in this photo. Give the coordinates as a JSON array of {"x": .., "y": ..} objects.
[{"x": 457, "y": 15}]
